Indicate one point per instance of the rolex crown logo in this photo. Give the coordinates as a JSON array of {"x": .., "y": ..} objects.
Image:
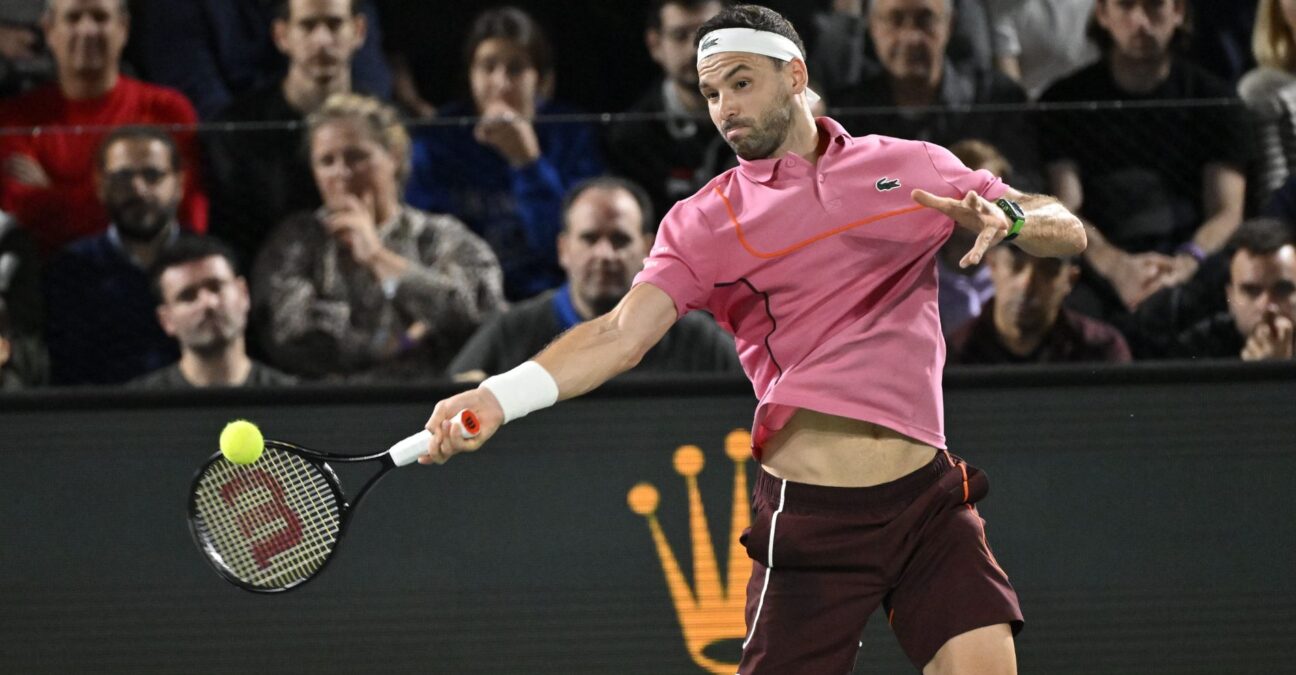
[{"x": 712, "y": 611}]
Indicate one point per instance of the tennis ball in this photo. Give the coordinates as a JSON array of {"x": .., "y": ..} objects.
[{"x": 241, "y": 442}]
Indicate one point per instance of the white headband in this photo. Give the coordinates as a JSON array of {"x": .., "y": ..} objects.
[{"x": 751, "y": 41}]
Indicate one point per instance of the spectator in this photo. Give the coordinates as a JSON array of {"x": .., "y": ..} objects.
[
  {"x": 911, "y": 37},
  {"x": 506, "y": 175},
  {"x": 607, "y": 232},
  {"x": 259, "y": 177},
  {"x": 24, "y": 60},
  {"x": 1025, "y": 322},
  {"x": 1270, "y": 95},
  {"x": 964, "y": 291},
  {"x": 203, "y": 303},
  {"x": 20, "y": 288},
  {"x": 1261, "y": 292},
  {"x": 366, "y": 284},
  {"x": 216, "y": 50},
  {"x": 842, "y": 53},
  {"x": 1037, "y": 42},
  {"x": 671, "y": 158},
  {"x": 102, "y": 326},
  {"x": 47, "y": 178},
  {"x": 1159, "y": 187},
  {"x": 9, "y": 381}
]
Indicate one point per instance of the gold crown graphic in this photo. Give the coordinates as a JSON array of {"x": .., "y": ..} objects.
[{"x": 712, "y": 611}]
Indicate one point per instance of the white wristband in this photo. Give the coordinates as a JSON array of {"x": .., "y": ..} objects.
[{"x": 523, "y": 390}]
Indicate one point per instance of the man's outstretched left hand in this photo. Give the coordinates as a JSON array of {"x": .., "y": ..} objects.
[{"x": 975, "y": 213}]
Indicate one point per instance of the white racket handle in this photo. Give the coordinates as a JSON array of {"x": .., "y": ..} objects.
[{"x": 411, "y": 448}]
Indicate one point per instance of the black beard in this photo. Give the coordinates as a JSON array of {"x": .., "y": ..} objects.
[
  {"x": 137, "y": 226},
  {"x": 768, "y": 133}
]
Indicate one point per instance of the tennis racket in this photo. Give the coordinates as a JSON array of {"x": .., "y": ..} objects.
[{"x": 272, "y": 525}]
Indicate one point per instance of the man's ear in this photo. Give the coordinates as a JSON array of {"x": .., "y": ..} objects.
[
  {"x": 279, "y": 31},
  {"x": 652, "y": 40},
  {"x": 164, "y": 320},
  {"x": 100, "y": 186},
  {"x": 5, "y": 351},
  {"x": 800, "y": 75},
  {"x": 564, "y": 241},
  {"x": 361, "y": 29}
]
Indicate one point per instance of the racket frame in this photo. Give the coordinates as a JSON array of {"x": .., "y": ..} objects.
[{"x": 320, "y": 460}]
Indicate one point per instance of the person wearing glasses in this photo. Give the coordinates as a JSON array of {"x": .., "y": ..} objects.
[
  {"x": 101, "y": 323},
  {"x": 46, "y": 179}
]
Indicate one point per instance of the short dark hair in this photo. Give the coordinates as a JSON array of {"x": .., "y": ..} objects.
[
  {"x": 187, "y": 249},
  {"x": 4, "y": 320},
  {"x": 136, "y": 133},
  {"x": 283, "y": 9},
  {"x": 755, "y": 17},
  {"x": 513, "y": 24},
  {"x": 648, "y": 225},
  {"x": 1178, "y": 44},
  {"x": 656, "y": 6},
  {"x": 1261, "y": 236}
]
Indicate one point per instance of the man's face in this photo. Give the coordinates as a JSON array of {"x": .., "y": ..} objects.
[
  {"x": 671, "y": 45},
  {"x": 1141, "y": 30},
  {"x": 1262, "y": 287},
  {"x": 501, "y": 71},
  {"x": 603, "y": 246},
  {"x": 750, "y": 101},
  {"x": 204, "y": 304},
  {"x": 86, "y": 36},
  {"x": 139, "y": 187},
  {"x": 320, "y": 37},
  {"x": 1029, "y": 291},
  {"x": 910, "y": 37}
]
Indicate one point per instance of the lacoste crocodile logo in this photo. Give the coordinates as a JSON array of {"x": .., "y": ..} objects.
[
  {"x": 885, "y": 184},
  {"x": 709, "y": 43}
]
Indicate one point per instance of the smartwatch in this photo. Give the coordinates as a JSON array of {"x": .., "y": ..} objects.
[{"x": 1014, "y": 212}]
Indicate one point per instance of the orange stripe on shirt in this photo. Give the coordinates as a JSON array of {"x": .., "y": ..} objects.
[{"x": 742, "y": 239}]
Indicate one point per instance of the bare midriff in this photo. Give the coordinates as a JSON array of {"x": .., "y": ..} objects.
[{"x": 822, "y": 449}]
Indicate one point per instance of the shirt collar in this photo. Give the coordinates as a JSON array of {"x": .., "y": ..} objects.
[
  {"x": 762, "y": 170},
  {"x": 114, "y": 239}
]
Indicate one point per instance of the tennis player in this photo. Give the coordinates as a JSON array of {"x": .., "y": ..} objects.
[{"x": 817, "y": 252}]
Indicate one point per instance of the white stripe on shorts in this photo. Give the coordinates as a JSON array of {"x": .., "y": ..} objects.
[{"x": 770, "y": 567}]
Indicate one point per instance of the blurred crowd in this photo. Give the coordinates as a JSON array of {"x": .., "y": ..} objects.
[{"x": 202, "y": 193}]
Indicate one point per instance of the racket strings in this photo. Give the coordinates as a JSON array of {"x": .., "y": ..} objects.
[{"x": 272, "y": 523}]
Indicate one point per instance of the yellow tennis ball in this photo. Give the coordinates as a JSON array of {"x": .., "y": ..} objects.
[{"x": 241, "y": 442}]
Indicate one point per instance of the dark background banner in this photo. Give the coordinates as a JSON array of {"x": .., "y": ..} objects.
[{"x": 1144, "y": 515}]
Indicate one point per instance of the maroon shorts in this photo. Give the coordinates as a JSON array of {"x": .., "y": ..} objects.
[{"x": 826, "y": 557}]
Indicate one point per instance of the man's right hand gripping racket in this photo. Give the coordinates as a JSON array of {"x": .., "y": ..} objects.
[{"x": 273, "y": 525}]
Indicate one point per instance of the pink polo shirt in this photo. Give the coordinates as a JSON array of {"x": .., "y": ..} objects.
[{"x": 826, "y": 276}]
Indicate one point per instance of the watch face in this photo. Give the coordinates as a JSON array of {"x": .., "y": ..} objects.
[{"x": 1012, "y": 208}]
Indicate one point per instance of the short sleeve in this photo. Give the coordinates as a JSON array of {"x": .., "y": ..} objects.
[
  {"x": 962, "y": 179},
  {"x": 682, "y": 261}
]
